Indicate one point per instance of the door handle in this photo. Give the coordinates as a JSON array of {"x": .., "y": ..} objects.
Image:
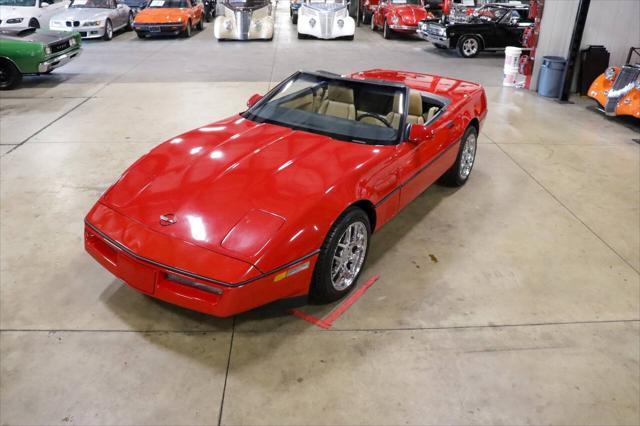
[{"x": 451, "y": 124}]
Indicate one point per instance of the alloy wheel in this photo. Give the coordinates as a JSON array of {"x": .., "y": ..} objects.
[
  {"x": 349, "y": 255},
  {"x": 470, "y": 47},
  {"x": 468, "y": 156}
]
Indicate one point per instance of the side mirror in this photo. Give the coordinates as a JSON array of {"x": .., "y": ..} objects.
[
  {"x": 253, "y": 100},
  {"x": 418, "y": 133},
  {"x": 44, "y": 4}
]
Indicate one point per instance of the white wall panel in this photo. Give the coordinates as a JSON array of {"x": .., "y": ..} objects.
[{"x": 612, "y": 23}]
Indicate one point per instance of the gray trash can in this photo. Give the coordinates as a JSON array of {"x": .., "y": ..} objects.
[{"x": 550, "y": 79}]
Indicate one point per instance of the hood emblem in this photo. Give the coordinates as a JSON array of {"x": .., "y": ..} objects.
[{"x": 168, "y": 219}]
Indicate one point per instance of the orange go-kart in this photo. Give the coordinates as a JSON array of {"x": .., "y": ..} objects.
[
  {"x": 170, "y": 17},
  {"x": 617, "y": 90}
]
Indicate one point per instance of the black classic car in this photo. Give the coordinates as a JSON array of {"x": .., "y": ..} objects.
[{"x": 491, "y": 27}]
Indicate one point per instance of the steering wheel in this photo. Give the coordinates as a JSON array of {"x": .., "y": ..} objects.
[{"x": 378, "y": 117}]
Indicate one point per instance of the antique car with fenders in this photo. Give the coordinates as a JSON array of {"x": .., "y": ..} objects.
[
  {"x": 33, "y": 51},
  {"x": 94, "y": 18},
  {"x": 325, "y": 19},
  {"x": 617, "y": 90},
  {"x": 491, "y": 27},
  {"x": 245, "y": 20},
  {"x": 170, "y": 17},
  {"x": 399, "y": 16},
  {"x": 29, "y": 13},
  {"x": 280, "y": 201}
]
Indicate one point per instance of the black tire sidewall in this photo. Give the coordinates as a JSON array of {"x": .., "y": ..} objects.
[
  {"x": 322, "y": 289},
  {"x": 33, "y": 23},
  {"x": 13, "y": 73},
  {"x": 386, "y": 32},
  {"x": 108, "y": 25}
]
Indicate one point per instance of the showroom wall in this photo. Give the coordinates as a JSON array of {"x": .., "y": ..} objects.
[{"x": 612, "y": 23}]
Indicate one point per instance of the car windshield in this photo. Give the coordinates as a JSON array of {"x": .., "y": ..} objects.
[
  {"x": 490, "y": 13},
  {"x": 95, "y": 4},
  {"x": 344, "y": 109},
  {"x": 416, "y": 2},
  {"x": 171, "y": 4},
  {"x": 19, "y": 3}
]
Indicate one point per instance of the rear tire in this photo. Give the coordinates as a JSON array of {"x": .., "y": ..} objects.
[
  {"x": 129, "y": 26},
  {"x": 373, "y": 23},
  {"x": 294, "y": 19},
  {"x": 200, "y": 26},
  {"x": 366, "y": 18},
  {"x": 327, "y": 285},
  {"x": 10, "y": 76},
  {"x": 459, "y": 173}
]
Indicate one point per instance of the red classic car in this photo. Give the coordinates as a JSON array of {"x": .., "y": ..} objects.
[
  {"x": 367, "y": 7},
  {"x": 402, "y": 16},
  {"x": 280, "y": 200}
]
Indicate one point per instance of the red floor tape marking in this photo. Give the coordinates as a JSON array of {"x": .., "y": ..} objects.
[{"x": 327, "y": 320}]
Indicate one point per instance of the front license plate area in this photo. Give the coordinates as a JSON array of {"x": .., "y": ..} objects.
[
  {"x": 154, "y": 29},
  {"x": 137, "y": 275}
]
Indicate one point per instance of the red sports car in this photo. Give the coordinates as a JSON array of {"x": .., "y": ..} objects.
[
  {"x": 401, "y": 16},
  {"x": 280, "y": 200}
]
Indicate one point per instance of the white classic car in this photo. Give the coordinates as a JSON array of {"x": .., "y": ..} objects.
[
  {"x": 244, "y": 20},
  {"x": 29, "y": 13},
  {"x": 94, "y": 18},
  {"x": 325, "y": 19}
]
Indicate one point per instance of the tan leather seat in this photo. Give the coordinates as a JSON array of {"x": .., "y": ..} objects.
[
  {"x": 339, "y": 102},
  {"x": 415, "y": 108}
]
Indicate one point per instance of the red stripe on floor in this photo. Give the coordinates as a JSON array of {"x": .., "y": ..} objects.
[{"x": 327, "y": 320}]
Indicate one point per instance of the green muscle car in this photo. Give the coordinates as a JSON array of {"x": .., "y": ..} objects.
[{"x": 33, "y": 51}]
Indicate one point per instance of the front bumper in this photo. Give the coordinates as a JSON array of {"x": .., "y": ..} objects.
[
  {"x": 439, "y": 40},
  {"x": 85, "y": 32},
  {"x": 404, "y": 28},
  {"x": 173, "y": 271},
  {"x": 57, "y": 61},
  {"x": 159, "y": 29}
]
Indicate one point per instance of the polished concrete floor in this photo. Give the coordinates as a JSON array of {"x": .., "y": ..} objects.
[{"x": 512, "y": 300}]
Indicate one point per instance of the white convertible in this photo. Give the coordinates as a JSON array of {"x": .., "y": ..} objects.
[
  {"x": 29, "y": 13},
  {"x": 244, "y": 20},
  {"x": 325, "y": 19}
]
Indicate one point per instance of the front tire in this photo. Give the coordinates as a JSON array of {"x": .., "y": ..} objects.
[
  {"x": 459, "y": 173},
  {"x": 366, "y": 18},
  {"x": 10, "y": 76},
  {"x": 386, "y": 32},
  {"x": 129, "y": 26},
  {"x": 373, "y": 23},
  {"x": 468, "y": 46},
  {"x": 294, "y": 19},
  {"x": 342, "y": 256},
  {"x": 201, "y": 24},
  {"x": 108, "y": 31},
  {"x": 141, "y": 35},
  {"x": 33, "y": 23},
  {"x": 187, "y": 31}
]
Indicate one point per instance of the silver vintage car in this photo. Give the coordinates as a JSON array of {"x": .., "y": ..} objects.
[
  {"x": 94, "y": 18},
  {"x": 245, "y": 20}
]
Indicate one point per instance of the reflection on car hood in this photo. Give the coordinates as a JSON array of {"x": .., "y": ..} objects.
[
  {"x": 78, "y": 14},
  {"x": 216, "y": 174},
  {"x": 160, "y": 15}
]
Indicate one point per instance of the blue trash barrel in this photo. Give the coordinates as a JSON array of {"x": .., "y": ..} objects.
[{"x": 550, "y": 78}]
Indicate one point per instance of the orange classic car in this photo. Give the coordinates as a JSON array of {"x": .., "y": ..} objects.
[
  {"x": 617, "y": 91},
  {"x": 170, "y": 17}
]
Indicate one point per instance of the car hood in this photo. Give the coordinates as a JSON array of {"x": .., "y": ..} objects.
[
  {"x": 410, "y": 14},
  {"x": 159, "y": 15},
  {"x": 8, "y": 12},
  {"x": 213, "y": 177},
  {"x": 81, "y": 14},
  {"x": 31, "y": 35}
]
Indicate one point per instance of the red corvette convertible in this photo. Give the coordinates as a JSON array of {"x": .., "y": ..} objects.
[
  {"x": 281, "y": 200},
  {"x": 401, "y": 16}
]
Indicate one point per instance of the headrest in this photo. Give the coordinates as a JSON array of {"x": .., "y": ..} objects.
[
  {"x": 338, "y": 93},
  {"x": 415, "y": 103}
]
